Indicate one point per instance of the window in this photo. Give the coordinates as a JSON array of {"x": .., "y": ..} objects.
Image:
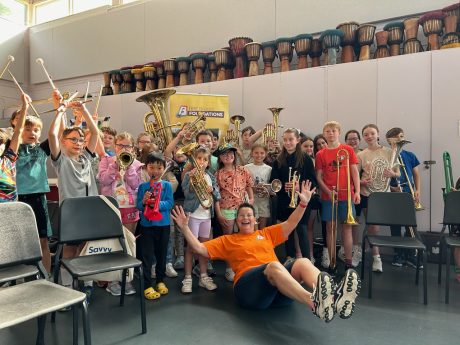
[
  {"x": 13, "y": 11},
  {"x": 51, "y": 10},
  {"x": 85, "y": 5}
]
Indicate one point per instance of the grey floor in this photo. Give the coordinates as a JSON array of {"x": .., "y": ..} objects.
[{"x": 395, "y": 315}]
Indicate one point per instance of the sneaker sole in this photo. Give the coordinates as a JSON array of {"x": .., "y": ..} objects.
[
  {"x": 347, "y": 292},
  {"x": 396, "y": 265},
  {"x": 324, "y": 297}
]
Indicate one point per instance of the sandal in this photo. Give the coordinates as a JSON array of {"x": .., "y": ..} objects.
[
  {"x": 162, "y": 289},
  {"x": 151, "y": 294}
]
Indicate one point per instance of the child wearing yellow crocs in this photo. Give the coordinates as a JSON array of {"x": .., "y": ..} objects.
[{"x": 155, "y": 201}]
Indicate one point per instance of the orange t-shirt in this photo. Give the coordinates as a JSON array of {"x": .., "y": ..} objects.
[
  {"x": 326, "y": 160},
  {"x": 246, "y": 251}
]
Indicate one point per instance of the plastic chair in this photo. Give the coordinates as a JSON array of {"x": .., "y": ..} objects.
[
  {"x": 394, "y": 209},
  {"x": 20, "y": 256},
  {"x": 451, "y": 218},
  {"x": 87, "y": 219}
]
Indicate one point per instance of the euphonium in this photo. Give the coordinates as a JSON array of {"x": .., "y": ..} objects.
[
  {"x": 293, "y": 178},
  {"x": 233, "y": 135},
  {"x": 194, "y": 127},
  {"x": 263, "y": 190},
  {"x": 160, "y": 129},
  {"x": 197, "y": 180},
  {"x": 447, "y": 174}
]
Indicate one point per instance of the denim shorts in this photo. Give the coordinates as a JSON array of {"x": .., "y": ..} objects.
[{"x": 326, "y": 211}]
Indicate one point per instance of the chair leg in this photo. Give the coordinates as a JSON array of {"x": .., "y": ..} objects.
[
  {"x": 425, "y": 278},
  {"x": 142, "y": 300},
  {"x": 56, "y": 273},
  {"x": 363, "y": 256},
  {"x": 41, "y": 323},
  {"x": 123, "y": 287},
  {"x": 75, "y": 324},
  {"x": 440, "y": 261},
  {"x": 85, "y": 319},
  {"x": 448, "y": 254},
  {"x": 417, "y": 269},
  {"x": 370, "y": 273}
]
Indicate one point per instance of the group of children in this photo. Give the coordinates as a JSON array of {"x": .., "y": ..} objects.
[{"x": 88, "y": 162}]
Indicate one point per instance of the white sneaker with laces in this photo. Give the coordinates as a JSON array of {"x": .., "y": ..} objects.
[
  {"x": 207, "y": 283},
  {"x": 229, "y": 274},
  {"x": 377, "y": 264},
  {"x": 357, "y": 255},
  {"x": 170, "y": 271},
  {"x": 325, "y": 262},
  {"x": 187, "y": 285}
]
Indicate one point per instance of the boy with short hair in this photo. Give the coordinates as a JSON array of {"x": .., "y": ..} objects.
[
  {"x": 411, "y": 163},
  {"x": 327, "y": 167},
  {"x": 109, "y": 140}
]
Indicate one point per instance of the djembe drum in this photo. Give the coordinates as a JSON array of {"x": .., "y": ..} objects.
[
  {"x": 284, "y": 47},
  {"x": 330, "y": 40},
  {"x": 268, "y": 55},
  {"x": 222, "y": 62},
  {"x": 451, "y": 40},
  {"x": 432, "y": 24},
  {"x": 199, "y": 66},
  {"x": 315, "y": 52},
  {"x": 127, "y": 84},
  {"x": 349, "y": 40},
  {"x": 183, "y": 66},
  {"x": 212, "y": 66},
  {"x": 170, "y": 68},
  {"x": 229, "y": 72},
  {"x": 237, "y": 48},
  {"x": 138, "y": 77},
  {"x": 382, "y": 48},
  {"x": 395, "y": 36},
  {"x": 412, "y": 46},
  {"x": 253, "y": 53},
  {"x": 160, "y": 74},
  {"x": 451, "y": 19},
  {"x": 411, "y": 27},
  {"x": 302, "y": 44},
  {"x": 107, "y": 89},
  {"x": 365, "y": 39},
  {"x": 149, "y": 75},
  {"x": 116, "y": 81}
]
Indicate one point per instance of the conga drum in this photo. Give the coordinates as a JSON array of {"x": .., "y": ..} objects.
[
  {"x": 222, "y": 57},
  {"x": 237, "y": 48},
  {"x": 432, "y": 24},
  {"x": 212, "y": 66},
  {"x": 412, "y": 46},
  {"x": 161, "y": 74},
  {"x": 382, "y": 48},
  {"x": 411, "y": 27},
  {"x": 268, "y": 56},
  {"x": 138, "y": 77},
  {"x": 395, "y": 36},
  {"x": 284, "y": 47},
  {"x": 365, "y": 39},
  {"x": 253, "y": 53},
  {"x": 149, "y": 75},
  {"x": 199, "y": 66},
  {"x": 116, "y": 80},
  {"x": 451, "y": 19},
  {"x": 170, "y": 67},
  {"x": 315, "y": 52},
  {"x": 330, "y": 40},
  {"x": 302, "y": 44},
  {"x": 127, "y": 84},
  {"x": 183, "y": 66},
  {"x": 451, "y": 40},
  {"x": 349, "y": 40},
  {"x": 107, "y": 89}
]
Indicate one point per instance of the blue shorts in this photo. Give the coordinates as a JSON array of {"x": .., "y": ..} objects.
[
  {"x": 254, "y": 291},
  {"x": 326, "y": 211}
]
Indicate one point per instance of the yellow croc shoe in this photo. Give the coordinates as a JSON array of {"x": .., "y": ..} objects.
[
  {"x": 162, "y": 289},
  {"x": 151, "y": 294}
]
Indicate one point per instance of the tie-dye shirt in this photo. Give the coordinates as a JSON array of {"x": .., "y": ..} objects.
[{"x": 8, "y": 176}]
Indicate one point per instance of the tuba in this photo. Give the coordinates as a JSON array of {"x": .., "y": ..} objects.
[
  {"x": 197, "y": 180},
  {"x": 160, "y": 128},
  {"x": 233, "y": 135},
  {"x": 270, "y": 132},
  {"x": 447, "y": 174}
]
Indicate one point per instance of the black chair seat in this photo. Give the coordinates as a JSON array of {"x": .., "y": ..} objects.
[
  {"x": 452, "y": 241},
  {"x": 99, "y": 263},
  {"x": 396, "y": 242},
  {"x": 17, "y": 272}
]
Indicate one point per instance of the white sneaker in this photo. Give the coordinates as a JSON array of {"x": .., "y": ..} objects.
[
  {"x": 325, "y": 262},
  {"x": 170, "y": 271},
  {"x": 357, "y": 254},
  {"x": 229, "y": 274},
  {"x": 341, "y": 254},
  {"x": 377, "y": 264},
  {"x": 187, "y": 285},
  {"x": 154, "y": 274},
  {"x": 129, "y": 289},
  {"x": 207, "y": 283}
]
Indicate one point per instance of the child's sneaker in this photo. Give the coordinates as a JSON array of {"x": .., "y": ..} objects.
[
  {"x": 357, "y": 256},
  {"x": 397, "y": 261},
  {"x": 325, "y": 262},
  {"x": 187, "y": 285},
  {"x": 207, "y": 283},
  {"x": 114, "y": 288},
  {"x": 170, "y": 271},
  {"x": 129, "y": 289},
  {"x": 377, "y": 264},
  {"x": 346, "y": 294},
  {"x": 179, "y": 263},
  {"x": 323, "y": 297}
]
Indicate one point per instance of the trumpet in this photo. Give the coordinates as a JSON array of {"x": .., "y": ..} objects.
[
  {"x": 293, "y": 178},
  {"x": 233, "y": 135},
  {"x": 264, "y": 190}
]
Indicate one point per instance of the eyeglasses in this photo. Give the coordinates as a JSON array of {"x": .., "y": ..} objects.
[
  {"x": 124, "y": 147},
  {"x": 352, "y": 139},
  {"x": 76, "y": 140}
]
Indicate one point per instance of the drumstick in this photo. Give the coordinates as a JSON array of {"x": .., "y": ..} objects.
[
  {"x": 10, "y": 60},
  {"x": 42, "y": 63},
  {"x": 87, "y": 90},
  {"x": 98, "y": 100},
  {"x": 51, "y": 110},
  {"x": 22, "y": 91}
]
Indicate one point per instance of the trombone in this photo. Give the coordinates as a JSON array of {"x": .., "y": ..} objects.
[{"x": 417, "y": 204}]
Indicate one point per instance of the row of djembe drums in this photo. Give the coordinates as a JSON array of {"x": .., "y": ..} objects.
[{"x": 241, "y": 57}]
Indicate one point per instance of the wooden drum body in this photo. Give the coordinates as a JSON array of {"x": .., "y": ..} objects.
[
  {"x": 315, "y": 52},
  {"x": 284, "y": 47},
  {"x": 331, "y": 40},
  {"x": 382, "y": 48},
  {"x": 349, "y": 30},
  {"x": 199, "y": 65},
  {"x": 412, "y": 46},
  {"x": 365, "y": 40},
  {"x": 452, "y": 18},
  {"x": 183, "y": 66},
  {"x": 302, "y": 44},
  {"x": 432, "y": 24},
  {"x": 116, "y": 80},
  {"x": 395, "y": 36},
  {"x": 149, "y": 75},
  {"x": 170, "y": 68},
  {"x": 268, "y": 55},
  {"x": 253, "y": 50},
  {"x": 127, "y": 84},
  {"x": 138, "y": 74},
  {"x": 161, "y": 74},
  {"x": 237, "y": 48},
  {"x": 222, "y": 57},
  {"x": 411, "y": 27}
]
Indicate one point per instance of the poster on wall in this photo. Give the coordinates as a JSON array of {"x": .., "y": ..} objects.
[{"x": 185, "y": 107}]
